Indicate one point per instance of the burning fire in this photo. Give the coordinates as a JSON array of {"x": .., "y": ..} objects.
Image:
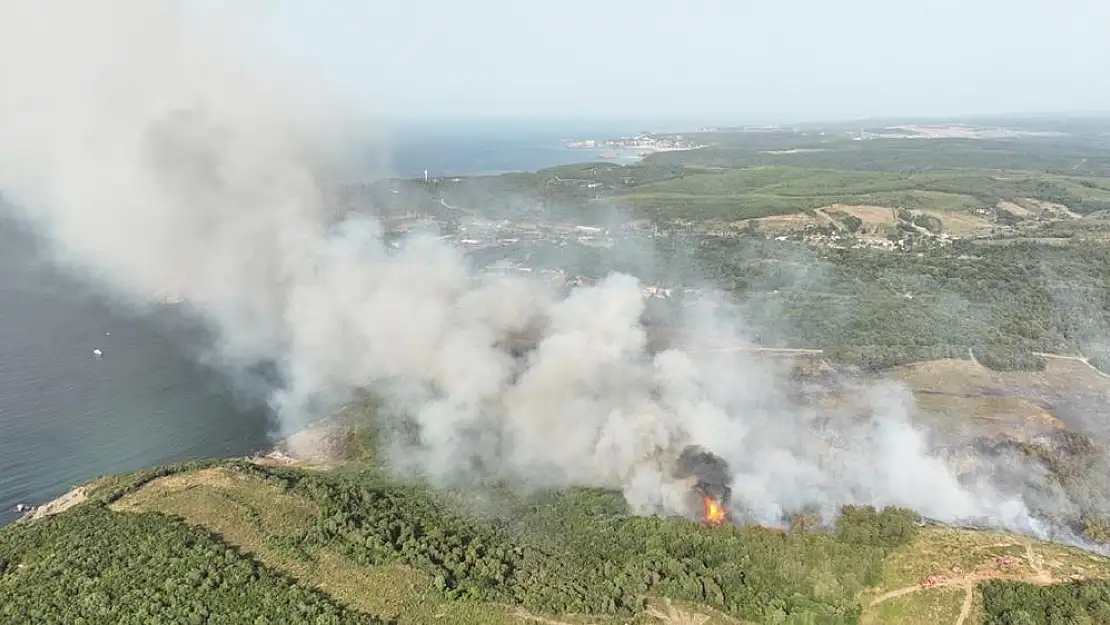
[
  {"x": 709, "y": 479},
  {"x": 715, "y": 512}
]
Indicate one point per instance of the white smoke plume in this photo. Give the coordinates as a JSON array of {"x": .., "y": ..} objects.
[{"x": 158, "y": 155}]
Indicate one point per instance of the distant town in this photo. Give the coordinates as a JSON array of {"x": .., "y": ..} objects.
[
  {"x": 507, "y": 240},
  {"x": 866, "y": 208},
  {"x": 645, "y": 143},
  {"x": 477, "y": 234}
]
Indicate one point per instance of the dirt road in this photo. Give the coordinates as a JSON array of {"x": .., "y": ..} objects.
[
  {"x": 1082, "y": 359},
  {"x": 1037, "y": 575}
]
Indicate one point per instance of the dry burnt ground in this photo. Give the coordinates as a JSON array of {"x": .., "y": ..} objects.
[{"x": 1069, "y": 393}]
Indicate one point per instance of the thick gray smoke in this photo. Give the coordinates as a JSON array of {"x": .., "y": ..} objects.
[{"x": 159, "y": 157}]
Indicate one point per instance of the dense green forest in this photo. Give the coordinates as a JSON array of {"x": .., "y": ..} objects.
[
  {"x": 1001, "y": 302},
  {"x": 91, "y": 566},
  {"x": 998, "y": 303},
  {"x": 576, "y": 551},
  {"x": 1020, "y": 603},
  {"x": 751, "y": 174},
  {"x": 1079, "y": 154},
  {"x": 559, "y": 553},
  {"x": 580, "y": 551},
  {"x": 742, "y": 175},
  {"x": 669, "y": 192},
  {"x": 744, "y": 193}
]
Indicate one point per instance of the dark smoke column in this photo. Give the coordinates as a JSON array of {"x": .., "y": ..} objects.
[{"x": 712, "y": 485}]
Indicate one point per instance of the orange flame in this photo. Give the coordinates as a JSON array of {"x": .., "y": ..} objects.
[{"x": 714, "y": 511}]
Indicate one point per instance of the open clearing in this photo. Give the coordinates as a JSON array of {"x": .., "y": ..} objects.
[
  {"x": 1063, "y": 374},
  {"x": 960, "y": 224},
  {"x": 1017, "y": 210},
  {"x": 870, "y": 215},
  {"x": 876, "y": 220},
  {"x": 1061, "y": 395},
  {"x": 935, "y": 578}
]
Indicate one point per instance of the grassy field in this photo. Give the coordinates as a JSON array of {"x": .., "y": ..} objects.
[
  {"x": 735, "y": 194},
  {"x": 957, "y": 561},
  {"x": 1077, "y": 155},
  {"x": 969, "y": 184}
]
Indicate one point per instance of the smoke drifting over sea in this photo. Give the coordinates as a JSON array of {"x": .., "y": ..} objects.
[{"x": 158, "y": 155}]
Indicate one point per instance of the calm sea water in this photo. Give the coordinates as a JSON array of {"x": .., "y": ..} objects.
[
  {"x": 477, "y": 149},
  {"x": 67, "y": 416}
]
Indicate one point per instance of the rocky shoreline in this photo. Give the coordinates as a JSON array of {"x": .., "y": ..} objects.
[{"x": 71, "y": 498}]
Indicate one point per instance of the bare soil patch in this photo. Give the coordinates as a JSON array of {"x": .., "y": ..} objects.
[
  {"x": 1016, "y": 209},
  {"x": 959, "y": 223},
  {"x": 783, "y": 223},
  {"x": 869, "y": 215},
  {"x": 1068, "y": 392},
  {"x": 1050, "y": 209},
  {"x": 668, "y": 614},
  {"x": 528, "y": 617}
]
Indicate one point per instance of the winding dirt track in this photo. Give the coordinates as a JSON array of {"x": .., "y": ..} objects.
[
  {"x": 1082, "y": 359},
  {"x": 965, "y": 609},
  {"x": 967, "y": 582},
  {"x": 1040, "y": 576}
]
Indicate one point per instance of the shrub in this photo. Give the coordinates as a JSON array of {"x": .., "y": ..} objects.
[
  {"x": 1018, "y": 603},
  {"x": 1012, "y": 359}
]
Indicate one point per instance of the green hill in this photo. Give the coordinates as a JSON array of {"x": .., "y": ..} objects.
[{"x": 236, "y": 542}]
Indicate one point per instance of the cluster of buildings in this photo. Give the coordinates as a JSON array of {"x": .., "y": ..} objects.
[
  {"x": 479, "y": 233},
  {"x": 560, "y": 279},
  {"x": 644, "y": 142},
  {"x": 519, "y": 239},
  {"x": 903, "y": 242}
]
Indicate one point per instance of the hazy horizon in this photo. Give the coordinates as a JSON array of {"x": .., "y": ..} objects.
[
  {"x": 709, "y": 60},
  {"x": 478, "y": 123}
]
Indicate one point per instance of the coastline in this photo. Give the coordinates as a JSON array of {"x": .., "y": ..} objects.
[
  {"x": 66, "y": 501},
  {"x": 318, "y": 444},
  {"x": 315, "y": 446}
]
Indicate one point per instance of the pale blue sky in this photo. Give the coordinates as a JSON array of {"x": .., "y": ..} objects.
[{"x": 720, "y": 59}]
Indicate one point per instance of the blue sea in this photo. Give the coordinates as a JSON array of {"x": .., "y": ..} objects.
[
  {"x": 68, "y": 415},
  {"x": 461, "y": 149}
]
